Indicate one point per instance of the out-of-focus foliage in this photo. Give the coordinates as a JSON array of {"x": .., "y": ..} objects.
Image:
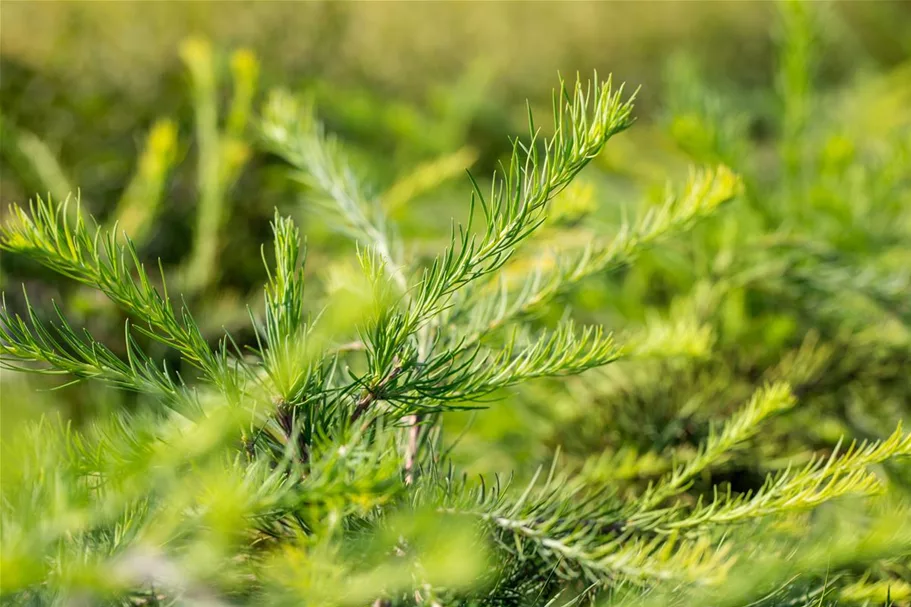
[{"x": 665, "y": 365}]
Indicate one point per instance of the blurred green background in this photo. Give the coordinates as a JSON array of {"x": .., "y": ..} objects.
[{"x": 88, "y": 78}]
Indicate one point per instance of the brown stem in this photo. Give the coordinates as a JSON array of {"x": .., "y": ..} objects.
[
  {"x": 375, "y": 393},
  {"x": 353, "y": 346},
  {"x": 362, "y": 404},
  {"x": 414, "y": 431},
  {"x": 285, "y": 417}
]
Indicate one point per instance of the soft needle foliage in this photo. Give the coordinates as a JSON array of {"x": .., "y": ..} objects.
[{"x": 314, "y": 466}]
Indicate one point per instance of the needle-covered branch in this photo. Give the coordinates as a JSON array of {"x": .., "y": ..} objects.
[
  {"x": 821, "y": 480},
  {"x": 94, "y": 257},
  {"x": 488, "y": 306},
  {"x": 60, "y": 350}
]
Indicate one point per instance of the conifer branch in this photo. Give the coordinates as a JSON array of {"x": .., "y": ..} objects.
[
  {"x": 577, "y": 532},
  {"x": 515, "y": 207},
  {"x": 291, "y": 130},
  {"x": 559, "y": 353},
  {"x": 286, "y": 354},
  {"x": 94, "y": 257},
  {"x": 739, "y": 428},
  {"x": 790, "y": 490},
  {"x": 703, "y": 193},
  {"x": 60, "y": 350}
]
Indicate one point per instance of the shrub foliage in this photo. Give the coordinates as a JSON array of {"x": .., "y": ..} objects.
[{"x": 736, "y": 439}]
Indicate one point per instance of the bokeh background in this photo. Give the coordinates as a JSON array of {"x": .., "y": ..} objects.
[{"x": 88, "y": 78}]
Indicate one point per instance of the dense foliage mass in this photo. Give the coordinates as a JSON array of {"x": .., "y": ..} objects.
[{"x": 552, "y": 400}]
